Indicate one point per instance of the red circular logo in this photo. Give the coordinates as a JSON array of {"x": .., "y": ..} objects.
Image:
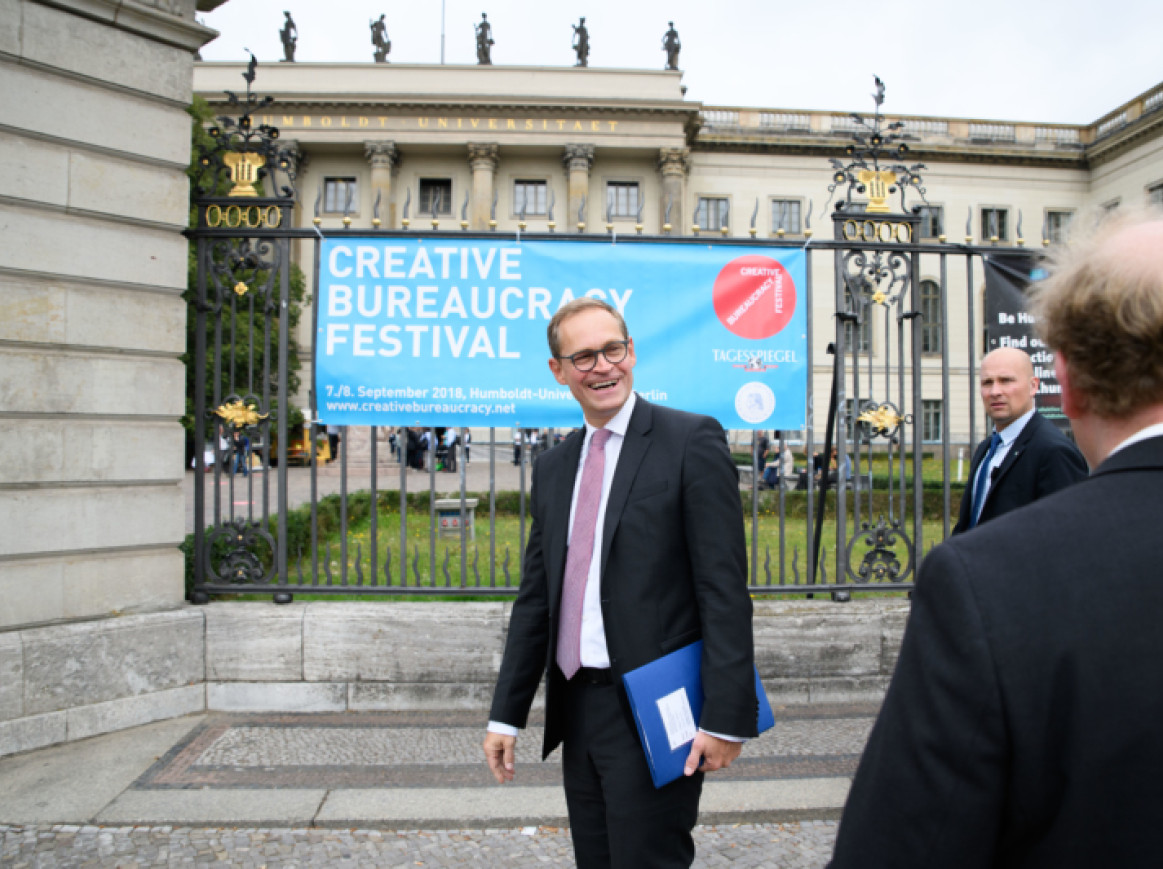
[{"x": 754, "y": 296}]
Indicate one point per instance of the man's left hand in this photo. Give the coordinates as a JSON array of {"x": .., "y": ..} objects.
[{"x": 714, "y": 753}]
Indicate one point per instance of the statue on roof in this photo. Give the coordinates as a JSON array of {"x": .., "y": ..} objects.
[
  {"x": 290, "y": 38},
  {"x": 380, "y": 40},
  {"x": 484, "y": 32},
  {"x": 581, "y": 43},
  {"x": 671, "y": 46}
]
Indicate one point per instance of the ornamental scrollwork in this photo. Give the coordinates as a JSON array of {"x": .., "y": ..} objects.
[
  {"x": 239, "y": 414},
  {"x": 881, "y": 420},
  {"x": 242, "y": 152},
  {"x": 864, "y": 175},
  {"x": 877, "y": 277},
  {"x": 238, "y": 268},
  {"x": 881, "y": 563},
  {"x": 245, "y": 553}
]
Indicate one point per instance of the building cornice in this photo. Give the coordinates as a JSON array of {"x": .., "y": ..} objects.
[
  {"x": 149, "y": 18},
  {"x": 919, "y": 151}
]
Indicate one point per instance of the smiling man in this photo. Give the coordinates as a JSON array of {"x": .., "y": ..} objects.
[
  {"x": 636, "y": 549},
  {"x": 1026, "y": 457}
]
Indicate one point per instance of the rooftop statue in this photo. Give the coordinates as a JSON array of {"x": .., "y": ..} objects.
[
  {"x": 290, "y": 38},
  {"x": 484, "y": 32},
  {"x": 671, "y": 46},
  {"x": 380, "y": 40},
  {"x": 581, "y": 43}
]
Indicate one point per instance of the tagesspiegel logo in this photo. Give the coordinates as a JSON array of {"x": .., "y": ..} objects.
[{"x": 754, "y": 296}]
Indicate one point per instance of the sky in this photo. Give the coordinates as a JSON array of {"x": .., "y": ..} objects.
[{"x": 1069, "y": 61}]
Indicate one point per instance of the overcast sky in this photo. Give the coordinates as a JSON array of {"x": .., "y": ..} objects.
[{"x": 1067, "y": 61}]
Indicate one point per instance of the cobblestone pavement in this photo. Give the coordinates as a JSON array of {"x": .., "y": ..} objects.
[
  {"x": 442, "y": 749},
  {"x": 800, "y": 845}
]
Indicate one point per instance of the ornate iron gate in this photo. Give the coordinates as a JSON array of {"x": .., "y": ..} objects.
[{"x": 241, "y": 304}]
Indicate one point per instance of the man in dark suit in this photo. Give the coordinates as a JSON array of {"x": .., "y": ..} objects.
[
  {"x": 663, "y": 565},
  {"x": 1026, "y": 457},
  {"x": 1021, "y": 728}
]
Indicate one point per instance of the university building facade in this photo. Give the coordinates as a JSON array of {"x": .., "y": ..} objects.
[{"x": 622, "y": 152}]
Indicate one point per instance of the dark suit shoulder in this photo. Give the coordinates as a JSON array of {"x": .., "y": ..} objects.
[{"x": 672, "y": 420}]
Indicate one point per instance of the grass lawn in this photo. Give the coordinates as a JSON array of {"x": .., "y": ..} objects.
[{"x": 443, "y": 572}]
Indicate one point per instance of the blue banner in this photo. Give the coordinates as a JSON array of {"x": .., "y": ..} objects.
[{"x": 451, "y": 332}]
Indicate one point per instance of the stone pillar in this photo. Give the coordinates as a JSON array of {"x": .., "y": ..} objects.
[
  {"x": 483, "y": 159},
  {"x": 92, "y": 329},
  {"x": 577, "y": 159},
  {"x": 673, "y": 165},
  {"x": 384, "y": 158}
]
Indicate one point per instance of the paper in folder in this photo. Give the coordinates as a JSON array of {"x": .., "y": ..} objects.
[{"x": 666, "y": 696}]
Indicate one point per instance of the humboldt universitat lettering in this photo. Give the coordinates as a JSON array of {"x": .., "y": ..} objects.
[{"x": 424, "y": 122}]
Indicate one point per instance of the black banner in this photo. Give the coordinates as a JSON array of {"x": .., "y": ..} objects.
[{"x": 1008, "y": 324}]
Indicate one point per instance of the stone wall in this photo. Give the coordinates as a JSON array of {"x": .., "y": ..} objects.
[
  {"x": 67, "y": 682},
  {"x": 93, "y": 198}
]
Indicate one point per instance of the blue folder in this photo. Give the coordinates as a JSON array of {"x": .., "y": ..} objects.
[{"x": 669, "y": 692}]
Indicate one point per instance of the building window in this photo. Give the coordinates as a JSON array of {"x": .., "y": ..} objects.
[
  {"x": 340, "y": 195},
  {"x": 930, "y": 317},
  {"x": 994, "y": 223},
  {"x": 1110, "y": 206},
  {"x": 785, "y": 215},
  {"x": 857, "y": 335},
  {"x": 1057, "y": 223},
  {"x": 932, "y": 221},
  {"x": 435, "y": 196},
  {"x": 931, "y": 421},
  {"x": 530, "y": 197},
  {"x": 1155, "y": 195},
  {"x": 712, "y": 212},
  {"x": 622, "y": 199}
]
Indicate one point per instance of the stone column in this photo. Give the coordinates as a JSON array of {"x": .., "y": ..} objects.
[
  {"x": 384, "y": 159},
  {"x": 92, "y": 331},
  {"x": 578, "y": 159},
  {"x": 673, "y": 165},
  {"x": 483, "y": 159}
]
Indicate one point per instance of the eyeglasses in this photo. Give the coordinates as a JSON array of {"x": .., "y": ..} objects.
[{"x": 585, "y": 360}]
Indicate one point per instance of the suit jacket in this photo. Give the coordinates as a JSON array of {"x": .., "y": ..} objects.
[
  {"x": 673, "y": 570},
  {"x": 1041, "y": 461},
  {"x": 1021, "y": 728}
]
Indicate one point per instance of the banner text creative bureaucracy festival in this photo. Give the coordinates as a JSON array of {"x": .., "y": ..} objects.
[{"x": 439, "y": 332}]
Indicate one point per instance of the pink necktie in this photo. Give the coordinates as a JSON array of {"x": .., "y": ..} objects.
[{"x": 581, "y": 552}]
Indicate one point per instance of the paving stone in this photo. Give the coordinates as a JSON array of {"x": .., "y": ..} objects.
[{"x": 796, "y": 845}]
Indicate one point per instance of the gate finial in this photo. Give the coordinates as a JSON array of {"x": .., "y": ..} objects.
[{"x": 863, "y": 174}]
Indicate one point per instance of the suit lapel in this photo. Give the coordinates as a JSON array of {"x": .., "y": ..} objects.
[
  {"x": 634, "y": 448},
  {"x": 1019, "y": 447}
]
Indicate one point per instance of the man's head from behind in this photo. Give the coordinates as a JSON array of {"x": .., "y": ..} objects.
[
  {"x": 1008, "y": 385},
  {"x": 592, "y": 354},
  {"x": 1101, "y": 311}
]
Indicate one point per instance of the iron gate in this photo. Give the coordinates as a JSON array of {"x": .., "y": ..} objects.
[{"x": 244, "y": 437}]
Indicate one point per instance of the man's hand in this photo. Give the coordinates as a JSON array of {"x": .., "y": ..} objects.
[
  {"x": 500, "y": 753},
  {"x": 715, "y": 753}
]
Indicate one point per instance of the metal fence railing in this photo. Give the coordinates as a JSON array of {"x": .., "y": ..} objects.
[{"x": 312, "y": 530}]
